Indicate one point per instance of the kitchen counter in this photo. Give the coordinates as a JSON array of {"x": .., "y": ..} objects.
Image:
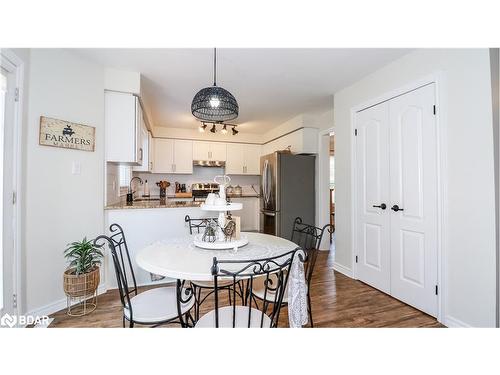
[
  {"x": 153, "y": 203},
  {"x": 170, "y": 202}
]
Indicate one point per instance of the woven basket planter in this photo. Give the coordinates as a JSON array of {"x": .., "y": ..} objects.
[{"x": 84, "y": 285}]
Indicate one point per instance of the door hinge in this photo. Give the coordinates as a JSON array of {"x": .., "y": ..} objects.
[
  {"x": 14, "y": 301},
  {"x": 16, "y": 94},
  {"x": 434, "y": 109},
  {"x": 436, "y": 290},
  {"x": 355, "y": 132},
  {"x": 14, "y": 197},
  {"x": 356, "y": 259}
]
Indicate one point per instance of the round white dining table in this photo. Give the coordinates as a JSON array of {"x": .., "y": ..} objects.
[{"x": 179, "y": 258}]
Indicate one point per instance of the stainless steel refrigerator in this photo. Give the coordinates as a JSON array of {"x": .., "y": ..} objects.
[{"x": 287, "y": 191}]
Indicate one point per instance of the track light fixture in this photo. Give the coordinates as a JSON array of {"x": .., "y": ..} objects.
[{"x": 202, "y": 128}]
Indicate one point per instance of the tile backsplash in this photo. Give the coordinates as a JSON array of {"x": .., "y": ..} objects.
[{"x": 200, "y": 174}]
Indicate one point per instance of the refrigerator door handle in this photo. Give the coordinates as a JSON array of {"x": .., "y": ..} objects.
[{"x": 268, "y": 213}]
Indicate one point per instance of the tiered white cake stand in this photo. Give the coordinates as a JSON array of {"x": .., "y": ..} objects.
[{"x": 220, "y": 242}]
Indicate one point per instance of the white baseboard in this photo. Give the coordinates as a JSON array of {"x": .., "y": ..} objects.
[
  {"x": 56, "y": 306},
  {"x": 342, "y": 269},
  {"x": 452, "y": 322}
]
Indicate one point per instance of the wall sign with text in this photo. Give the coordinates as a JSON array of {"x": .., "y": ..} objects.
[{"x": 65, "y": 134}]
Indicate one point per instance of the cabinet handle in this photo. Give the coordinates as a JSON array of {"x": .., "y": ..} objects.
[
  {"x": 140, "y": 154},
  {"x": 151, "y": 165}
]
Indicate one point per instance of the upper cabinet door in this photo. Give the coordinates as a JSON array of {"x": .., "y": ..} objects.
[
  {"x": 122, "y": 130},
  {"x": 234, "y": 159},
  {"x": 252, "y": 159},
  {"x": 163, "y": 150},
  {"x": 144, "y": 151},
  {"x": 201, "y": 150},
  {"x": 183, "y": 156},
  {"x": 218, "y": 151}
]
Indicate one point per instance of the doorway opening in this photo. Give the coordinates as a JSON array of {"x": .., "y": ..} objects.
[{"x": 331, "y": 162}]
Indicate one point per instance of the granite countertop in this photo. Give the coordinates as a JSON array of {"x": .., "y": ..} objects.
[
  {"x": 170, "y": 202},
  {"x": 153, "y": 203}
]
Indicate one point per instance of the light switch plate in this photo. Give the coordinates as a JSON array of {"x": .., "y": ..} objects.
[{"x": 76, "y": 168}]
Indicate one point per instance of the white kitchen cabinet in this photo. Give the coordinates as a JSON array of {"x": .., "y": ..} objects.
[
  {"x": 201, "y": 150},
  {"x": 249, "y": 214},
  {"x": 183, "y": 156},
  {"x": 251, "y": 156},
  {"x": 123, "y": 118},
  {"x": 234, "y": 161},
  {"x": 243, "y": 159},
  {"x": 209, "y": 151},
  {"x": 145, "y": 152},
  {"x": 163, "y": 161},
  {"x": 172, "y": 156}
]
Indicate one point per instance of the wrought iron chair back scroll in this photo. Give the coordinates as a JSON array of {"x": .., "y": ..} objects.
[
  {"x": 117, "y": 246},
  {"x": 197, "y": 225},
  {"x": 123, "y": 266},
  {"x": 309, "y": 237},
  {"x": 273, "y": 269}
]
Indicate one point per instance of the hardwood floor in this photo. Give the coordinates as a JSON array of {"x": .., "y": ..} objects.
[{"x": 337, "y": 301}]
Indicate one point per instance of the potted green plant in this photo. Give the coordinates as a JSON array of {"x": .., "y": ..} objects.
[{"x": 82, "y": 277}]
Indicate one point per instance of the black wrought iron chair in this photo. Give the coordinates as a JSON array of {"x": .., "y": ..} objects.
[
  {"x": 154, "y": 307},
  {"x": 197, "y": 226},
  {"x": 274, "y": 272},
  {"x": 308, "y": 237}
]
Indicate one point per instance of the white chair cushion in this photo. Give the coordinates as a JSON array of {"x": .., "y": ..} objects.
[
  {"x": 226, "y": 318},
  {"x": 156, "y": 305}
]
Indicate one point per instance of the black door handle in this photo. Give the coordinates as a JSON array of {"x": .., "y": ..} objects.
[
  {"x": 382, "y": 206},
  {"x": 396, "y": 208}
]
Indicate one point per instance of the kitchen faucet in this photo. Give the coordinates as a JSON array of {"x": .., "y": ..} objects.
[{"x": 130, "y": 194}]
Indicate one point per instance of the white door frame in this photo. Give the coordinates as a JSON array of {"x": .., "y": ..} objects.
[
  {"x": 435, "y": 78},
  {"x": 13, "y": 59},
  {"x": 323, "y": 178}
]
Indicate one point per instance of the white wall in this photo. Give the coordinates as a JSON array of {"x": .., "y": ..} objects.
[
  {"x": 465, "y": 111},
  {"x": 60, "y": 207}
]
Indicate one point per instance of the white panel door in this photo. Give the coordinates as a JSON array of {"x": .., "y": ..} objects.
[
  {"x": 413, "y": 161},
  {"x": 372, "y": 182}
]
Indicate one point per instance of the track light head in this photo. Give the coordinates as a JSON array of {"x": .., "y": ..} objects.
[
  {"x": 234, "y": 130},
  {"x": 213, "y": 130}
]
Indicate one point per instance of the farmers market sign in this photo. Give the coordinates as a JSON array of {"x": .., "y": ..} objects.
[{"x": 65, "y": 134}]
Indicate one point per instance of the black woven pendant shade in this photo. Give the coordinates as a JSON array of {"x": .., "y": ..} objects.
[{"x": 214, "y": 103}]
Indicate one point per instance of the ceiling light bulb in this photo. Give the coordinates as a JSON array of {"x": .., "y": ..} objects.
[
  {"x": 213, "y": 130},
  {"x": 214, "y": 102},
  {"x": 224, "y": 130}
]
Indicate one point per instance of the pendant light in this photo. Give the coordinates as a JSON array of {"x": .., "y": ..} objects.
[{"x": 214, "y": 103}]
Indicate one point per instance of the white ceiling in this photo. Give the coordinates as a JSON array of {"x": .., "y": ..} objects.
[{"x": 270, "y": 85}]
